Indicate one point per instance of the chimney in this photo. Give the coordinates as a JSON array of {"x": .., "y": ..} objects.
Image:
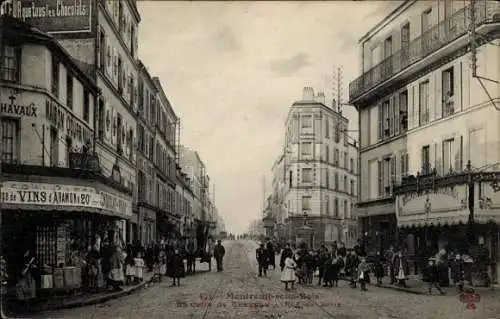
[
  {"x": 308, "y": 94},
  {"x": 320, "y": 98}
]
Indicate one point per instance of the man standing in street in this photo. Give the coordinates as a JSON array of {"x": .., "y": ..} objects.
[
  {"x": 262, "y": 259},
  {"x": 219, "y": 253},
  {"x": 272, "y": 256}
]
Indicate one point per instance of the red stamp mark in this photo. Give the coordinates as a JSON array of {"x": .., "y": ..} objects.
[{"x": 470, "y": 299}]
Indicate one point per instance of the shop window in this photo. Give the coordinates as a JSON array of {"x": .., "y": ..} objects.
[
  {"x": 10, "y": 141},
  {"x": 10, "y": 63}
]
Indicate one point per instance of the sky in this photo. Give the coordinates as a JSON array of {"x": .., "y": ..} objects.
[{"x": 231, "y": 70}]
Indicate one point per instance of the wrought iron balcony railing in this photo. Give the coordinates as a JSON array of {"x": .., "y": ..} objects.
[{"x": 432, "y": 40}]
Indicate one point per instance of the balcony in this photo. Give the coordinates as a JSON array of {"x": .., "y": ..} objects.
[{"x": 434, "y": 39}]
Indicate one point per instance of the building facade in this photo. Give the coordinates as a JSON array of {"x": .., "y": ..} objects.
[
  {"x": 424, "y": 115},
  {"x": 55, "y": 189},
  {"x": 320, "y": 180}
]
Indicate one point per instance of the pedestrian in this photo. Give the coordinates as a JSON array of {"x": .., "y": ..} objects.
[
  {"x": 219, "y": 252},
  {"x": 323, "y": 257},
  {"x": 175, "y": 268},
  {"x": 311, "y": 266},
  {"x": 288, "y": 274},
  {"x": 363, "y": 273},
  {"x": 116, "y": 274},
  {"x": 352, "y": 267},
  {"x": 129, "y": 267},
  {"x": 262, "y": 256},
  {"x": 434, "y": 276},
  {"x": 139, "y": 267},
  {"x": 191, "y": 258},
  {"x": 272, "y": 256},
  {"x": 287, "y": 252},
  {"x": 389, "y": 257},
  {"x": 379, "y": 268},
  {"x": 457, "y": 272},
  {"x": 400, "y": 265}
]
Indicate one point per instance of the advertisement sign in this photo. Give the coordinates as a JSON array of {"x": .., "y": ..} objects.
[
  {"x": 64, "y": 195},
  {"x": 55, "y": 16}
]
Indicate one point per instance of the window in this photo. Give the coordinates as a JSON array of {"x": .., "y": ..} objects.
[
  {"x": 386, "y": 122},
  {"x": 307, "y": 121},
  {"x": 327, "y": 178},
  {"x": 448, "y": 93},
  {"x": 327, "y": 155},
  {"x": 426, "y": 25},
  {"x": 69, "y": 148},
  {"x": 448, "y": 8},
  {"x": 423, "y": 105},
  {"x": 403, "y": 111},
  {"x": 307, "y": 149},
  {"x": 55, "y": 76},
  {"x": 448, "y": 156},
  {"x": 404, "y": 164},
  {"x": 336, "y": 181},
  {"x": 119, "y": 138},
  {"x": 10, "y": 140},
  {"x": 405, "y": 44},
  {"x": 426, "y": 159},
  {"x": 352, "y": 187},
  {"x": 132, "y": 41},
  {"x": 346, "y": 209},
  {"x": 102, "y": 115},
  {"x": 327, "y": 205},
  {"x": 120, "y": 75},
  {"x": 336, "y": 207},
  {"x": 306, "y": 203},
  {"x": 327, "y": 128},
  {"x": 337, "y": 132},
  {"x": 426, "y": 20},
  {"x": 351, "y": 165},
  {"x": 336, "y": 157},
  {"x": 10, "y": 63},
  {"x": 346, "y": 157},
  {"x": 290, "y": 179},
  {"x": 387, "y": 64},
  {"x": 345, "y": 184},
  {"x": 54, "y": 147},
  {"x": 69, "y": 91},
  {"x": 102, "y": 50}
]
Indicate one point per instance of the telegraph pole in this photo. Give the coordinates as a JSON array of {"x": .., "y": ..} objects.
[{"x": 337, "y": 88}]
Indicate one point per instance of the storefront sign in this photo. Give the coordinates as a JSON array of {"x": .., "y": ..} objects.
[
  {"x": 64, "y": 195},
  {"x": 55, "y": 16},
  {"x": 12, "y": 108},
  {"x": 438, "y": 201}
]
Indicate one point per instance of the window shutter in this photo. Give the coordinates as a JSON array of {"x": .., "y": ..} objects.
[
  {"x": 379, "y": 177},
  {"x": 397, "y": 120},
  {"x": 458, "y": 149},
  {"x": 380, "y": 121},
  {"x": 393, "y": 170}
]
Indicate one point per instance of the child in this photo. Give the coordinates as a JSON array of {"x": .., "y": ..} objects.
[
  {"x": 363, "y": 273},
  {"x": 288, "y": 274},
  {"x": 139, "y": 265}
]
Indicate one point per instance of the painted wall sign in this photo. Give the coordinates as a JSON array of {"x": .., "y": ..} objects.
[
  {"x": 64, "y": 120},
  {"x": 64, "y": 195},
  {"x": 12, "y": 108},
  {"x": 439, "y": 201},
  {"x": 56, "y": 16}
]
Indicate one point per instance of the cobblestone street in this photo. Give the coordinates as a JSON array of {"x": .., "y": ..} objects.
[{"x": 239, "y": 293}]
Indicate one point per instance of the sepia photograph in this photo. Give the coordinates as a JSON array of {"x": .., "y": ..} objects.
[{"x": 250, "y": 159}]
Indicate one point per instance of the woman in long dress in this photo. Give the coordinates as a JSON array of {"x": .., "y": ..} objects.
[
  {"x": 400, "y": 266},
  {"x": 288, "y": 274}
]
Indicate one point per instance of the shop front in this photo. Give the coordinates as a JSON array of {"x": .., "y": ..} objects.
[
  {"x": 450, "y": 213},
  {"x": 54, "y": 222}
]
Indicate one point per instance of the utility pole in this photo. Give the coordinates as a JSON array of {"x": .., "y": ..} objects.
[{"x": 472, "y": 37}]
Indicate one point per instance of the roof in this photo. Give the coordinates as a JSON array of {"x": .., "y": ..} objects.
[
  {"x": 317, "y": 104},
  {"x": 21, "y": 32}
]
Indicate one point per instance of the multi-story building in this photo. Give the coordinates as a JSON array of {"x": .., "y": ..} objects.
[
  {"x": 102, "y": 37},
  {"x": 320, "y": 163},
  {"x": 428, "y": 106},
  {"x": 184, "y": 203},
  {"x": 278, "y": 210},
  {"x": 54, "y": 189}
]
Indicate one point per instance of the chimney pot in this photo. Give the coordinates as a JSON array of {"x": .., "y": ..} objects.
[{"x": 308, "y": 94}]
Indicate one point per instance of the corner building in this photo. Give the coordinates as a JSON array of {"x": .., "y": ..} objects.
[
  {"x": 56, "y": 199},
  {"x": 423, "y": 118},
  {"x": 320, "y": 165}
]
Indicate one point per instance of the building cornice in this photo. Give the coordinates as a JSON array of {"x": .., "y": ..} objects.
[{"x": 388, "y": 19}]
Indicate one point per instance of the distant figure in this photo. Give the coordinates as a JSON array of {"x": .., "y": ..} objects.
[
  {"x": 272, "y": 256},
  {"x": 219, "y": 253},
  {"x": 175, "y": 268},
  {"x": 262, "y": 256},
  {"x": 287, "y": 252}
]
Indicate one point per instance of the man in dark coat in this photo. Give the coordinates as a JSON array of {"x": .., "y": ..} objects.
[
  {"x": 219, "y": 253},
  {"x": 323, "y": 257},
  {"x": 270, "y": 252},
  {"x": 262, "y": 259}
]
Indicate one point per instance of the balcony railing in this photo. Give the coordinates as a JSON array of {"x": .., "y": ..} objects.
[{"x": 432, "y": 40}]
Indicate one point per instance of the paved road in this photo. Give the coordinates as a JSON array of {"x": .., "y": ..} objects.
[{"x": 239, "y": 293}]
